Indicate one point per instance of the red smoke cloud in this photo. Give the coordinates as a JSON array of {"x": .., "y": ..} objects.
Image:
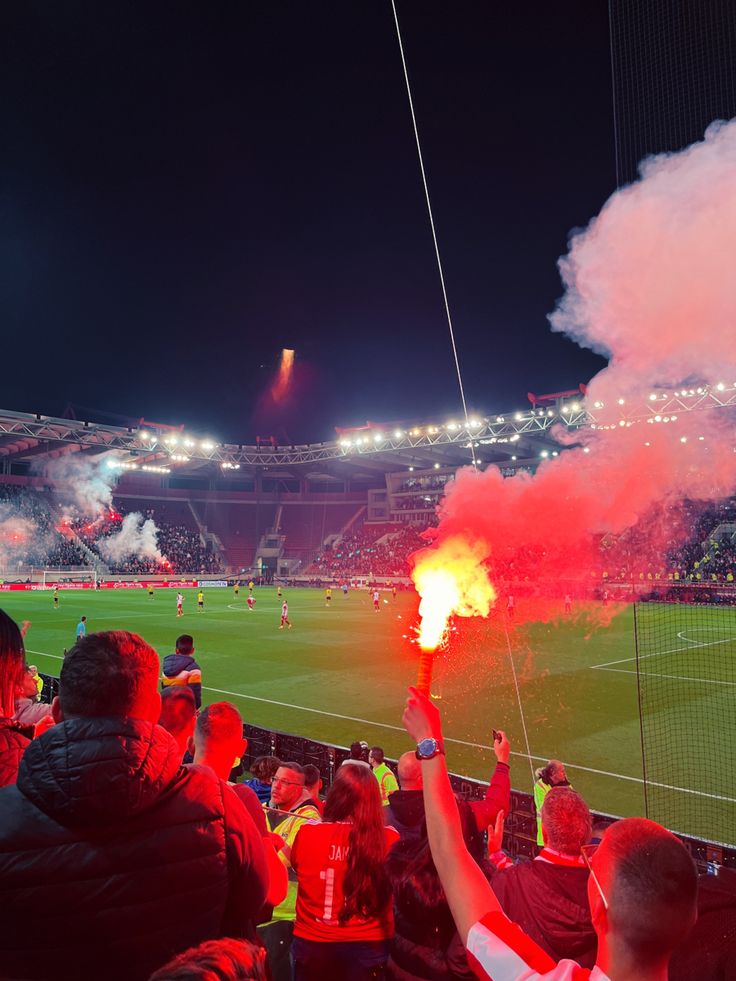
[{"x": 651, "y": 284}]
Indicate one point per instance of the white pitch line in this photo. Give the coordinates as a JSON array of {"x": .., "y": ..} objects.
[
  {"x": 694, "y": 645},
  {"x": 676, "y": 677},
  {"x": 448, "y": 739}
]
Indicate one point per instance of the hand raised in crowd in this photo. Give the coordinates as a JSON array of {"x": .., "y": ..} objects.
[
  {"x": 495, "y": 834},
  {"x": 502, "y": 747},
  {"x": 421, "y": 718}
]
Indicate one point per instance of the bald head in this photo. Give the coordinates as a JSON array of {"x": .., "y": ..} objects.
[{"x": 410, "y": 771}]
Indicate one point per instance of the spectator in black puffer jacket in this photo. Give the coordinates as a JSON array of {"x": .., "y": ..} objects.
[
  {"x": 119, "y": 856},
  {"x": 12, "y": 669}
]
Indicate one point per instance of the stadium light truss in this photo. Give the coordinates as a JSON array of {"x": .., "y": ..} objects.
[{"x": 20, "y": 431}]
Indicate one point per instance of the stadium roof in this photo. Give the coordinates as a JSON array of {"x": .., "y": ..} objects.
[{"x": 513, "y": 438}]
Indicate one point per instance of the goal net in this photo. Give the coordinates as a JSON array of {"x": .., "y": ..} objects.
[{"x": 686, "y": 675}]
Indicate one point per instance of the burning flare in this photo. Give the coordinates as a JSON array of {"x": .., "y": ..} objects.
[{"x": 451, "y": 580}]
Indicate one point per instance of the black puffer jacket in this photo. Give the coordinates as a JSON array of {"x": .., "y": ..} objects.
[{"x": 113, "y": 857}]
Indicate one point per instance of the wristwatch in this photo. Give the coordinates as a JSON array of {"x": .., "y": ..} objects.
[{"x": 428, "y": 748}]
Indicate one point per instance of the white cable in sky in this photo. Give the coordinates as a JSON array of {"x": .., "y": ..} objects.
[{"x": 434, "y": 237}]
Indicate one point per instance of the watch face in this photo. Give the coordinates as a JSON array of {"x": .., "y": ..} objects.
[{"x": 427, "y": 747}]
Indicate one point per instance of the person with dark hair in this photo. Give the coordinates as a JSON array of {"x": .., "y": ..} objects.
[
  {"x": 344, "y": 919},
  {"x": 359, "y": 752},
  {"x": 217, "y": 960},
  {"x": 290, "y": 806},
  {"x": 264, "y": 770},
  {"x": 313, "y": 784},
  {"x": 642, "y": 886},
  {"x": 182, "y": 669},
  {"x": 383, "y": 773},
  {"x": 426, "y": 945},
  {"x": 178, "y": 715},
  {"x": 13, "y": 741},
  {"x": 104, "y": 827},
  {"x": 82, "y": 628},
  {"x": 548, "y": 897}
]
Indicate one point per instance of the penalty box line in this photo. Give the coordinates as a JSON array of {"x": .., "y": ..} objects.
[
  {"x": 448, "y": 739},
  {"x": 694, "y": 645},
  {"x": 674, "y": 677}
]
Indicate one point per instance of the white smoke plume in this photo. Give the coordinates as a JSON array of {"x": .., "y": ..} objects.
[
  {"x": 137, "y": 537},
  {"x": 83, "y": 484}
]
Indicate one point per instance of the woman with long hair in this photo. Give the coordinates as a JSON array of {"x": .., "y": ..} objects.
[
  {"x": 344, "y": 919},
  {"x": 12, "y": 670},
  {"x": 426, "y": 945}
]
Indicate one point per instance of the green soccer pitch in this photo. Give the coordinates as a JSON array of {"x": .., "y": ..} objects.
[{"x": 341, "y": 674}]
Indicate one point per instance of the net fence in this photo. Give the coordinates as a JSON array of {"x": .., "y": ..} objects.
[{"x": 686, "y": 677}]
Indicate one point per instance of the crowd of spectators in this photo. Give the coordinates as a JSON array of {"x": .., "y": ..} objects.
[
  {"x": 128, "y": 846},
  {"x": 431, "y": 482},
  {"x": 28, "y": 531},
  {"x": 371, "y": 550},
  {"x": 180, "y": 547}
]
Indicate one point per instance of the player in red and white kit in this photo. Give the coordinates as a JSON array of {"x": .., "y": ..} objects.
[
  {"x": 376, "y": 600},
  {"x": 251, "y": 602},
  {"x": 179, "y": 605},
  {"x": 285, "y": 616}
]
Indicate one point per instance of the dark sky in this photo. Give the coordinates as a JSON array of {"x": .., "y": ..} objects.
[{"x": 188, "y": 187}]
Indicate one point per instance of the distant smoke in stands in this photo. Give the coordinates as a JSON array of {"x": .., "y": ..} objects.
[
  {"x": 83, "y": 485},
  {"x": 19, "y": 537},
  {"x": 650, "y": 283},
  {"x": 137, "y": 537}
]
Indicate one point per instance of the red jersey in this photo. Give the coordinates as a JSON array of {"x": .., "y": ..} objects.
[{"x": 319, "y": 857}]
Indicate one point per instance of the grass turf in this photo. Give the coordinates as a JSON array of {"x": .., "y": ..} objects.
[{"x": 341, "y": 674}]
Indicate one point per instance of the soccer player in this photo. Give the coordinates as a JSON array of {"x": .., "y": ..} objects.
[
  {"x": 56, "y": 597},
  {"x": 278, "y": 592},
  {"x": 285, "y": 615},
  {"x": 236, "y": 589},
  {"x": 251, "y": 602},
  {"x": 200, "y": 601},
  {"x": 568, "y": 603},
  {"x": 510, "y": 606},
  {"x": 393, "y": 591},
  {"x": 344, "y": 588},
  {"x": 150, "y": 591},
  {"x": 82, "y": 628},
  {"x": 328, "y": 596},
  {"x": 179, "y": 605},
  {"x": 251, "y": 584},
  {"x": 376, "y": 601}
]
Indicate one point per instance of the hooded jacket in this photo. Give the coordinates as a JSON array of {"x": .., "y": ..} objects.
[{"x": 113, "y": 857}]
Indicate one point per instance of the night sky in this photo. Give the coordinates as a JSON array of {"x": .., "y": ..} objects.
[{"x": 187, "y": 188}]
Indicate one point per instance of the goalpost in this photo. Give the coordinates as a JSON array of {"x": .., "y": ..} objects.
[{"x": 75, "y": 574}]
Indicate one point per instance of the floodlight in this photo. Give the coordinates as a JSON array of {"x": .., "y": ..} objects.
[
  {"x": 565, "y": 409},
  {"x": 398, "y": 434},
  {"x": 513, "y": 457},
  {"x": 586, "y": 449},
  {"x": 436, "y": 466},
  {"x": 720, "y": 386},
  {"x": 683, "y": 439},
  {"x": 620, "y": 401},
  {"x": 544, "y": 453}
]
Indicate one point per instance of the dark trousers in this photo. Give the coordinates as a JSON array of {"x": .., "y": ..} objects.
[{"x": 357, "y": 961}]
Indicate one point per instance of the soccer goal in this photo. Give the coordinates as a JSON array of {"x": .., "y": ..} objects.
[{"x": 69, "y": 576}]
